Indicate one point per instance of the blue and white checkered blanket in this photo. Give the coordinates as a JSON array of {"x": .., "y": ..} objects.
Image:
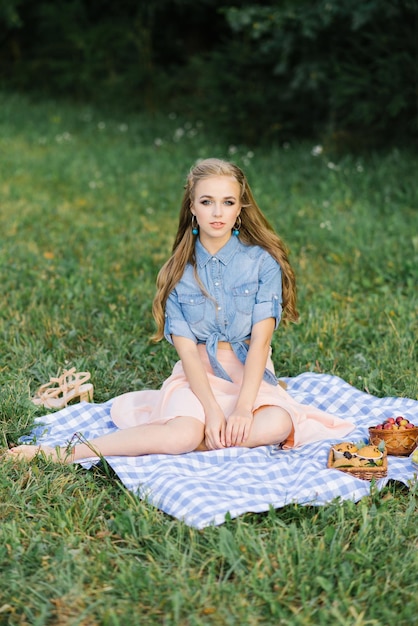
[{"x": 201, "y": 488}]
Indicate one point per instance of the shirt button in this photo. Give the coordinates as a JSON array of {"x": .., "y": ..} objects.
[
  {"x": 191, "y": 301},
  {"x": 246, "y": 291},
  {"x": 216, "y": 284},
  {"x": 219, "y": 308},
  {"x": 214, "y": 258}
]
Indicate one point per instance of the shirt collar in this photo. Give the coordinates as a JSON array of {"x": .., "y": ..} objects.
[{"x": 224, "y": 255}]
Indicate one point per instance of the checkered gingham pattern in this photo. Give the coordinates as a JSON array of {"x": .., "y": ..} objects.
[{"x": 201, "y": 488}]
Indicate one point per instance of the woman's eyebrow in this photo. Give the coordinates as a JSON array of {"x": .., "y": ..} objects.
[{"x": 206, "y": 195}]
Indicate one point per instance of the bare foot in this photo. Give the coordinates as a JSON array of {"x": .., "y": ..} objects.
[{"x": 29, "y": 452}]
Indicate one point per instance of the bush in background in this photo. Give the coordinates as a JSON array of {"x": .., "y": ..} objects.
[
  {"x": 347, "y": 67},
  {"x": 264, "y": 71}
]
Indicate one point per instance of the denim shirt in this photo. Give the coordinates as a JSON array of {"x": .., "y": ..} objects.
[{"x": 245, "y": 286}]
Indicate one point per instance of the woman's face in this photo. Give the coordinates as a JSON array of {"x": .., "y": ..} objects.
[{"x": 216, "y": 205}]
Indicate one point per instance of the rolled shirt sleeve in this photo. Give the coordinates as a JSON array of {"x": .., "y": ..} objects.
[
  {"x": 269, "y": 295},
  {"x": 175, "y": 324}
]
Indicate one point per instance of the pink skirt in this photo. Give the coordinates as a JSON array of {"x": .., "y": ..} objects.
[{"x": 175, "y": 398}]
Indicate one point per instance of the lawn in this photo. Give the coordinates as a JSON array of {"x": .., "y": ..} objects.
[{"x": 88, "y": 210}]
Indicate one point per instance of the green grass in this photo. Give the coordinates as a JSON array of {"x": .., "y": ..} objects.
[{"x": 88, "y": 210}]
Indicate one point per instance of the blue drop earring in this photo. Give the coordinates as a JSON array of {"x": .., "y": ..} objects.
[
  {"x": 195, "y": 229},
  {"x": 237, "y": 226}
]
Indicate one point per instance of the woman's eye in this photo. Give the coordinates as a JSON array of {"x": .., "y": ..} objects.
[
  {"x": 229, "y": 202},
  {"x": 206, "y": 202}
]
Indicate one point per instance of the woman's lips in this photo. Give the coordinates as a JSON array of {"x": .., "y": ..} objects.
[{"x": 217, "y": 224}]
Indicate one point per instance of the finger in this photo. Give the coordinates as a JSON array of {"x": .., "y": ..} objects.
[
  {"x": 222, "y": 435},
  {"x": 214, "y": 442},
  {"x": 209, "y": 443},
  {"x": 239, "y": 438},
  {"x": 221, "y": 440},
  {"x": 231, "y": 433},
  {"x": 244, "y": 434},
  {"x": 228, "y": 430},
  {"x": 247, "y": 431}
]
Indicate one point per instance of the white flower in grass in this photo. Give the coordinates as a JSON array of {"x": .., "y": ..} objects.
[
  {"x": 332, "y": 166},
  {"x": 65, "y": 137},
  {"x": 317, "y": 150},
  {"x": 359, "y": 167},
  {"x": 232, "y": 150},
  {"x": 178, "y": 134},
  {"x": 158, "y": 142},
  {"x": 123, "y": 128},
  {"x": 326, "y": 225},
  {"x": 361, "y": 359},
  {"x": 95, "y": 184},
  {"x": 250, "y": 154},
  {"x": 101, "y": 125}
]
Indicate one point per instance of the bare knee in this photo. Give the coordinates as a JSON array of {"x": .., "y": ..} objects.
[
  {"x": 271, "y": 425},
  {"x": 184, "y": 434}
]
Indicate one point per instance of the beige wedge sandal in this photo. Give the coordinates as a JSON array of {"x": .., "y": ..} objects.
[{"x": 69, "y": 387}]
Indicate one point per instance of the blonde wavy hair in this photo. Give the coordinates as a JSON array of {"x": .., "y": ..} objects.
[{"x": 255, "y": 230}]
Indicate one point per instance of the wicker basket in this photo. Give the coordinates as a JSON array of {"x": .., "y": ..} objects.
[
  {"x": 365, "y": 473},
  {"x": 397, "y": 442}
]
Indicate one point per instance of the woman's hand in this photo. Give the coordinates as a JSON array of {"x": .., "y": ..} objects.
[
  {"x": 215, "y": 427},
  {"x": 238, "y": 427}
]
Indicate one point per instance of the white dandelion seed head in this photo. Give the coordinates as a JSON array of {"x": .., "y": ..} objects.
[
  {"x": 325, "y": 225},
  {"x": 179, "y": 133},
  {"x": 317, "y": 150}
]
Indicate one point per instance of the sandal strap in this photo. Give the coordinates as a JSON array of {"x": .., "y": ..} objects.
[
  {"x": 69, "y": 379},
  {"x": 60, "y": 381}
]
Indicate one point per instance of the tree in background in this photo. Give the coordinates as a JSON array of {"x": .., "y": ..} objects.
[
  {"x": 303, "y": 67},
  {"x": 255, "y": 71}
]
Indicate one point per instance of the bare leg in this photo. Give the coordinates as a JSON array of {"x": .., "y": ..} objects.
[
  {"x": 271, "y": 425},
  {"x": 179, "y": 435}
]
